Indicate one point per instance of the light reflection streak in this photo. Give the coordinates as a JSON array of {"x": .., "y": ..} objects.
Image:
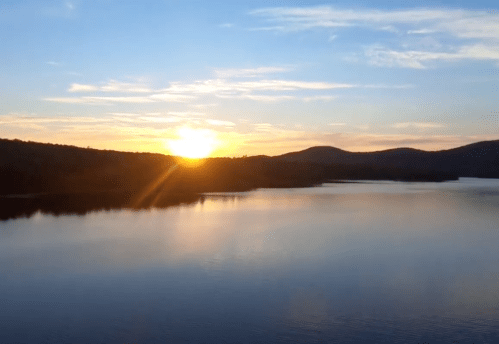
[{"x": 153, "y": 186}]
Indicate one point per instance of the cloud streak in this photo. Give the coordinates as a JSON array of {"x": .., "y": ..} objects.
[
  {"x": 474, "y": 35},
  {"x": 111, "y": 86},
  {"x": 419, "y": 125},
  {"x": 384, "y": 57},
  {"x": 262, "y": 90},
  {"x": 248, "y": 72},
  {"x": 456, "y": 21},
  {"x": 217, "y": 122}
]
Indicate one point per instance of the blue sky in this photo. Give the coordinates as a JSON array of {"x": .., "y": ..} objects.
[{"x": 262, "y": 77}]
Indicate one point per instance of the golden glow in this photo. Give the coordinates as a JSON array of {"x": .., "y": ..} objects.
[{"x": 193, "y": 143}]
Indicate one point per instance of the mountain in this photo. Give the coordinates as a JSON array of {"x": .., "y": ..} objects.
[
  {"x": 479, "y": 159},
  {"x": 61, "y": 179}
]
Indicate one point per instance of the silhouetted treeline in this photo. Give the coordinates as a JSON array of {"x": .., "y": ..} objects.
[
  {"x": 29, "y": 167},
  {"x": 68, "y": 179}
]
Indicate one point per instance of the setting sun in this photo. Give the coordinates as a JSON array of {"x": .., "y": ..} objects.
[{"x": 193, "y": 143}]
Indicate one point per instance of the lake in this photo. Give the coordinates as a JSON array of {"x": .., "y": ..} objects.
[{"x": 369, "y": 262}]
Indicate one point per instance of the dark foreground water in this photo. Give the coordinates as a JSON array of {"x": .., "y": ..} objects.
[{"x": 344, "y": 263}]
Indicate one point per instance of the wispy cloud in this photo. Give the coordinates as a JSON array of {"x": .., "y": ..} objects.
[
  {"x": 257, "y": 88},
  {"x": 384, "y": 57},
  {"x": 420, "y": 32},
  {"x": 111, "y": 86},
  {"x": 418, "y": 125},
  {"x": 228, "y": 87},
  {"x": 168, "y": 97},
  {"x": 471, "y": 35},
  {"x": 74, "y": 88},
  {"x": 21, "y": 119},
  {"x": 226, "y": 25},
  {"x": 220, "y": 123},
  {"x": 384, "y": 86},
  {"x": 100, "y": 100},
  {"x": 263, "y": 127},
  {"x": 158, "y": 119},
  {"x": 71, "y": 100},
  {"x": 305, "y": 18},
  {"x": 248, "y": 72},
  {"x": 319, "y": 98},
  {"x": 259, "y": 97},
  {"x": 186, "y": 113}
]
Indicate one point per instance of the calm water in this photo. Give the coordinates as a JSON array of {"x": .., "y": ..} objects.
[{"x": 385, "y": 262}]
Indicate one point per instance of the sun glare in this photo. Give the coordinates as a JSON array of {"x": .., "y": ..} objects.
[{"x": 193, "y": 143}]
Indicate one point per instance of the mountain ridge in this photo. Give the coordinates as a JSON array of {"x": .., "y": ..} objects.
[
  {"x": 479, "y": 159},
  {"x": 62, "y": 179}
]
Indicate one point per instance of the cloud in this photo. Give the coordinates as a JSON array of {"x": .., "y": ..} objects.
[
  {"x": 227, "y": 87},
  {"x": 70, "y": 100},
  {"x": 419, "y": 125},
  {"x": 157, "y": 119},
  {"x": 263, "y": 127},
  {"x": 99, "y": 100},
  {"x": 306, "y": 18},
  {"x": 220, "y": 123},
  {"x": 226, "y": 25},
  {"x": 23, "y": 119},
  {"x": 186, "y": 113},
  {"x": 115, "y": 86},
  {"x": 420, "y": 32},
  {"x": 53, "y": 63},
  {"x": 175, "y": 98},
  {"x": 82, "y": 88},
  {"x": 111, "y": 86},
  {"x": 384, "y": 57},
  {"x": 389, "y": 28},
  {"x": 260, "y": 97},
  {"x": 383, "y": 86},
  {"x": 317, "y": 98},
  {"x": 337, "y": 124},
  {"x": 470, "y": 35},
  {"x": 248, "y": 72},
  {"x": 262, "y": 90}
]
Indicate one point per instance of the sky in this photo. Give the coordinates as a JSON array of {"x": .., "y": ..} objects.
[{"x": 249, "y": 77}]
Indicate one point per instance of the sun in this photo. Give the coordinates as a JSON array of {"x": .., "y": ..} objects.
[{"x": 193, "y": 143}]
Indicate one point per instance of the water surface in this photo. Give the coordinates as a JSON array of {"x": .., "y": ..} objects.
[{"x": 372, "y": 262}]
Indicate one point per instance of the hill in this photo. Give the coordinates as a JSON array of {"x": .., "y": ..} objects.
[
  {"x": 67, "y": 179},
  {"x": 479, "y": 159}
]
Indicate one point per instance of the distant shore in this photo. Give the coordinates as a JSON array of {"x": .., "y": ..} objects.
[{"x": 66, "y": 179}]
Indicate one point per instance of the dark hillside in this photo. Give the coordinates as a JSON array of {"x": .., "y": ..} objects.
[
  {"x": 68, "y": 179},
  {"x": 475, "y": 160},
  {"x": 29, "y": 167},
  {"x": 319, "y": 154}
]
